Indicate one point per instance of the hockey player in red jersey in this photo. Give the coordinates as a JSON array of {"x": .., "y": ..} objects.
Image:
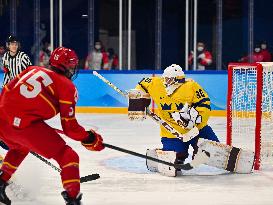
[{"x": 38, "y": 94}]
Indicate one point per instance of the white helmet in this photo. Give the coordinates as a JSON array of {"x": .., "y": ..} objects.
[
  {"x": 173, "y": 71},
  {"x": 173, "y": 76}
]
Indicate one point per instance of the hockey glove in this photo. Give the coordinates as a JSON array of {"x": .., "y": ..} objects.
[
  {"x": 94, "y": 141},
  {"x": 187, "y": 117},
  {"x": 138, "y": 103}
]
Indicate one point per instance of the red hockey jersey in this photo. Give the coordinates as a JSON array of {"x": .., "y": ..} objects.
[{"x": 40, "y": 94}]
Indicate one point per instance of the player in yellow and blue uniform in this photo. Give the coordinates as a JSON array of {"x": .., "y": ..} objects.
[{"x": 181, "y": 103}]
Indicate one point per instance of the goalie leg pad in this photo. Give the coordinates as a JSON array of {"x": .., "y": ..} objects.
[
  {"x": 151, "y": 165},
  {"x": 168, "y": 156},
  {"x": 226, "y": 157},
  {"x": 245, "y": 162}
]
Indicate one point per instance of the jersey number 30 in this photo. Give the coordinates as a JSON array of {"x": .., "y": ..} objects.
[{"x": 35, "y": 84}]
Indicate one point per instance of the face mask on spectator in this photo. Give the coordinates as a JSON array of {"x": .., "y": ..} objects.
[
  {"x": 257, "y": 50},
  {"x": 263, "y": 46},
  {"x": 200, "y": 48},
  {"x": 98, "y": 47}
]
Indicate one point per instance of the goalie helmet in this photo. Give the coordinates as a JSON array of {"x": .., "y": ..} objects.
[
  {"x": 64, "y": 60},
  {"x": 173, "y": 76}
]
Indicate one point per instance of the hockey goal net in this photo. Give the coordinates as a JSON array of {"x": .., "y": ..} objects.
[{"x": 250, "y": 110}]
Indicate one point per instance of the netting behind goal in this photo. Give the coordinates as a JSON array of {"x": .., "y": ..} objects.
[{"x": 249, "y": 110}]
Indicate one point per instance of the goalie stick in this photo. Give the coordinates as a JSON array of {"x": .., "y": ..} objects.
[
  {"x": 200, "y": 158},
  {"x": 184, "y": 137}
]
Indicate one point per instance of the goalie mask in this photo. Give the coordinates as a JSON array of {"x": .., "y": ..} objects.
[{"x": 173, "y": 77}]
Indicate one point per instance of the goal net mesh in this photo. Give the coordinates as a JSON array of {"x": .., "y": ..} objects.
[{"x": 250, "y": 113}]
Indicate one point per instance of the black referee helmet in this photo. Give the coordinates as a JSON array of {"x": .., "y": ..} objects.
[{"x": 12, "y": 39}]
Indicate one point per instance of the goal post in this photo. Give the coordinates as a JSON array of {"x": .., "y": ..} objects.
[{"x": 249, "y": 109}]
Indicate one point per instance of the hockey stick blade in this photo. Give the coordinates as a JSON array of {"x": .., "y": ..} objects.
[
  {"x": 89, "y": 178},
  {"x": 199, "y": 158}
]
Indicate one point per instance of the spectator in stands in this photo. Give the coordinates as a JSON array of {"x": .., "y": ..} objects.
[
  {"x": 256, "y": 56},
  {"x": 44, "y": 55},
  {"x": 204, "y": 57},
  {"x": 265, "y": 52},
  {"x": 2, "y": 51},
  {"x": 97, "y": 59},
  {"x": 113, "y": 59}
]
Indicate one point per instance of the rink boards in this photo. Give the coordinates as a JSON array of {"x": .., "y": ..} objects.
[{"x": 97, "y": 97}]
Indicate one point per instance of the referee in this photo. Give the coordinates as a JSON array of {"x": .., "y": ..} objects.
[{"x": 14, "y": 60}]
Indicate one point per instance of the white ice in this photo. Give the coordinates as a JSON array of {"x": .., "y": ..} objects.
[{"x": 125, "y": 179}]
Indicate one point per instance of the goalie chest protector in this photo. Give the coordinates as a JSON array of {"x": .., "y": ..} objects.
[{"x": 227, "y": 157}]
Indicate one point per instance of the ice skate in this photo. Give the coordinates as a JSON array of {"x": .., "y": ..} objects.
[
  {"x": 69, "y": 201},
  {"x": 3, "y": 197}
]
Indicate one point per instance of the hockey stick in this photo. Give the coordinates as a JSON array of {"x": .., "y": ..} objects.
[
  {"x": 82, "y": 179},
  {"x": 184, "y": 137},
  {"x": 45, "y": 161},
  {"x": 21, "y": 194},
  {"x": 200, "y": 158}
]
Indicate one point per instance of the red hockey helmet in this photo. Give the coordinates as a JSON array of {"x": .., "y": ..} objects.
[{"x": 65, "y": 61}]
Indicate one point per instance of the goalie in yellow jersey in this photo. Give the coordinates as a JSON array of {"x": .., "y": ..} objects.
[{"x": 182, "y": 103}]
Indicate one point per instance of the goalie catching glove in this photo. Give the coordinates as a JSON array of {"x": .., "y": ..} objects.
[
  {"x": 187, "y": 117},
  {"x": 138, "y": 103},
  {"x": 94, "y": 142}
]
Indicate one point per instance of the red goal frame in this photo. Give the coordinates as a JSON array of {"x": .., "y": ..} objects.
[{"x": 259, "y": 93}]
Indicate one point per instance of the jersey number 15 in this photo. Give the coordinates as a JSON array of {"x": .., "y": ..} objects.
[{"x": 34, "y": 83}]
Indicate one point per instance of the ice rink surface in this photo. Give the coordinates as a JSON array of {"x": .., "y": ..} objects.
[{"x": 125, "y": 179}]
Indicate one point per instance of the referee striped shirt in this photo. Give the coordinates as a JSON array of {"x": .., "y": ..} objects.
[{"x": 15, "y": 64}]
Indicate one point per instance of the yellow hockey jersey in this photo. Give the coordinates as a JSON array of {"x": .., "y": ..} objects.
[{"x": 189, "y": 92}]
